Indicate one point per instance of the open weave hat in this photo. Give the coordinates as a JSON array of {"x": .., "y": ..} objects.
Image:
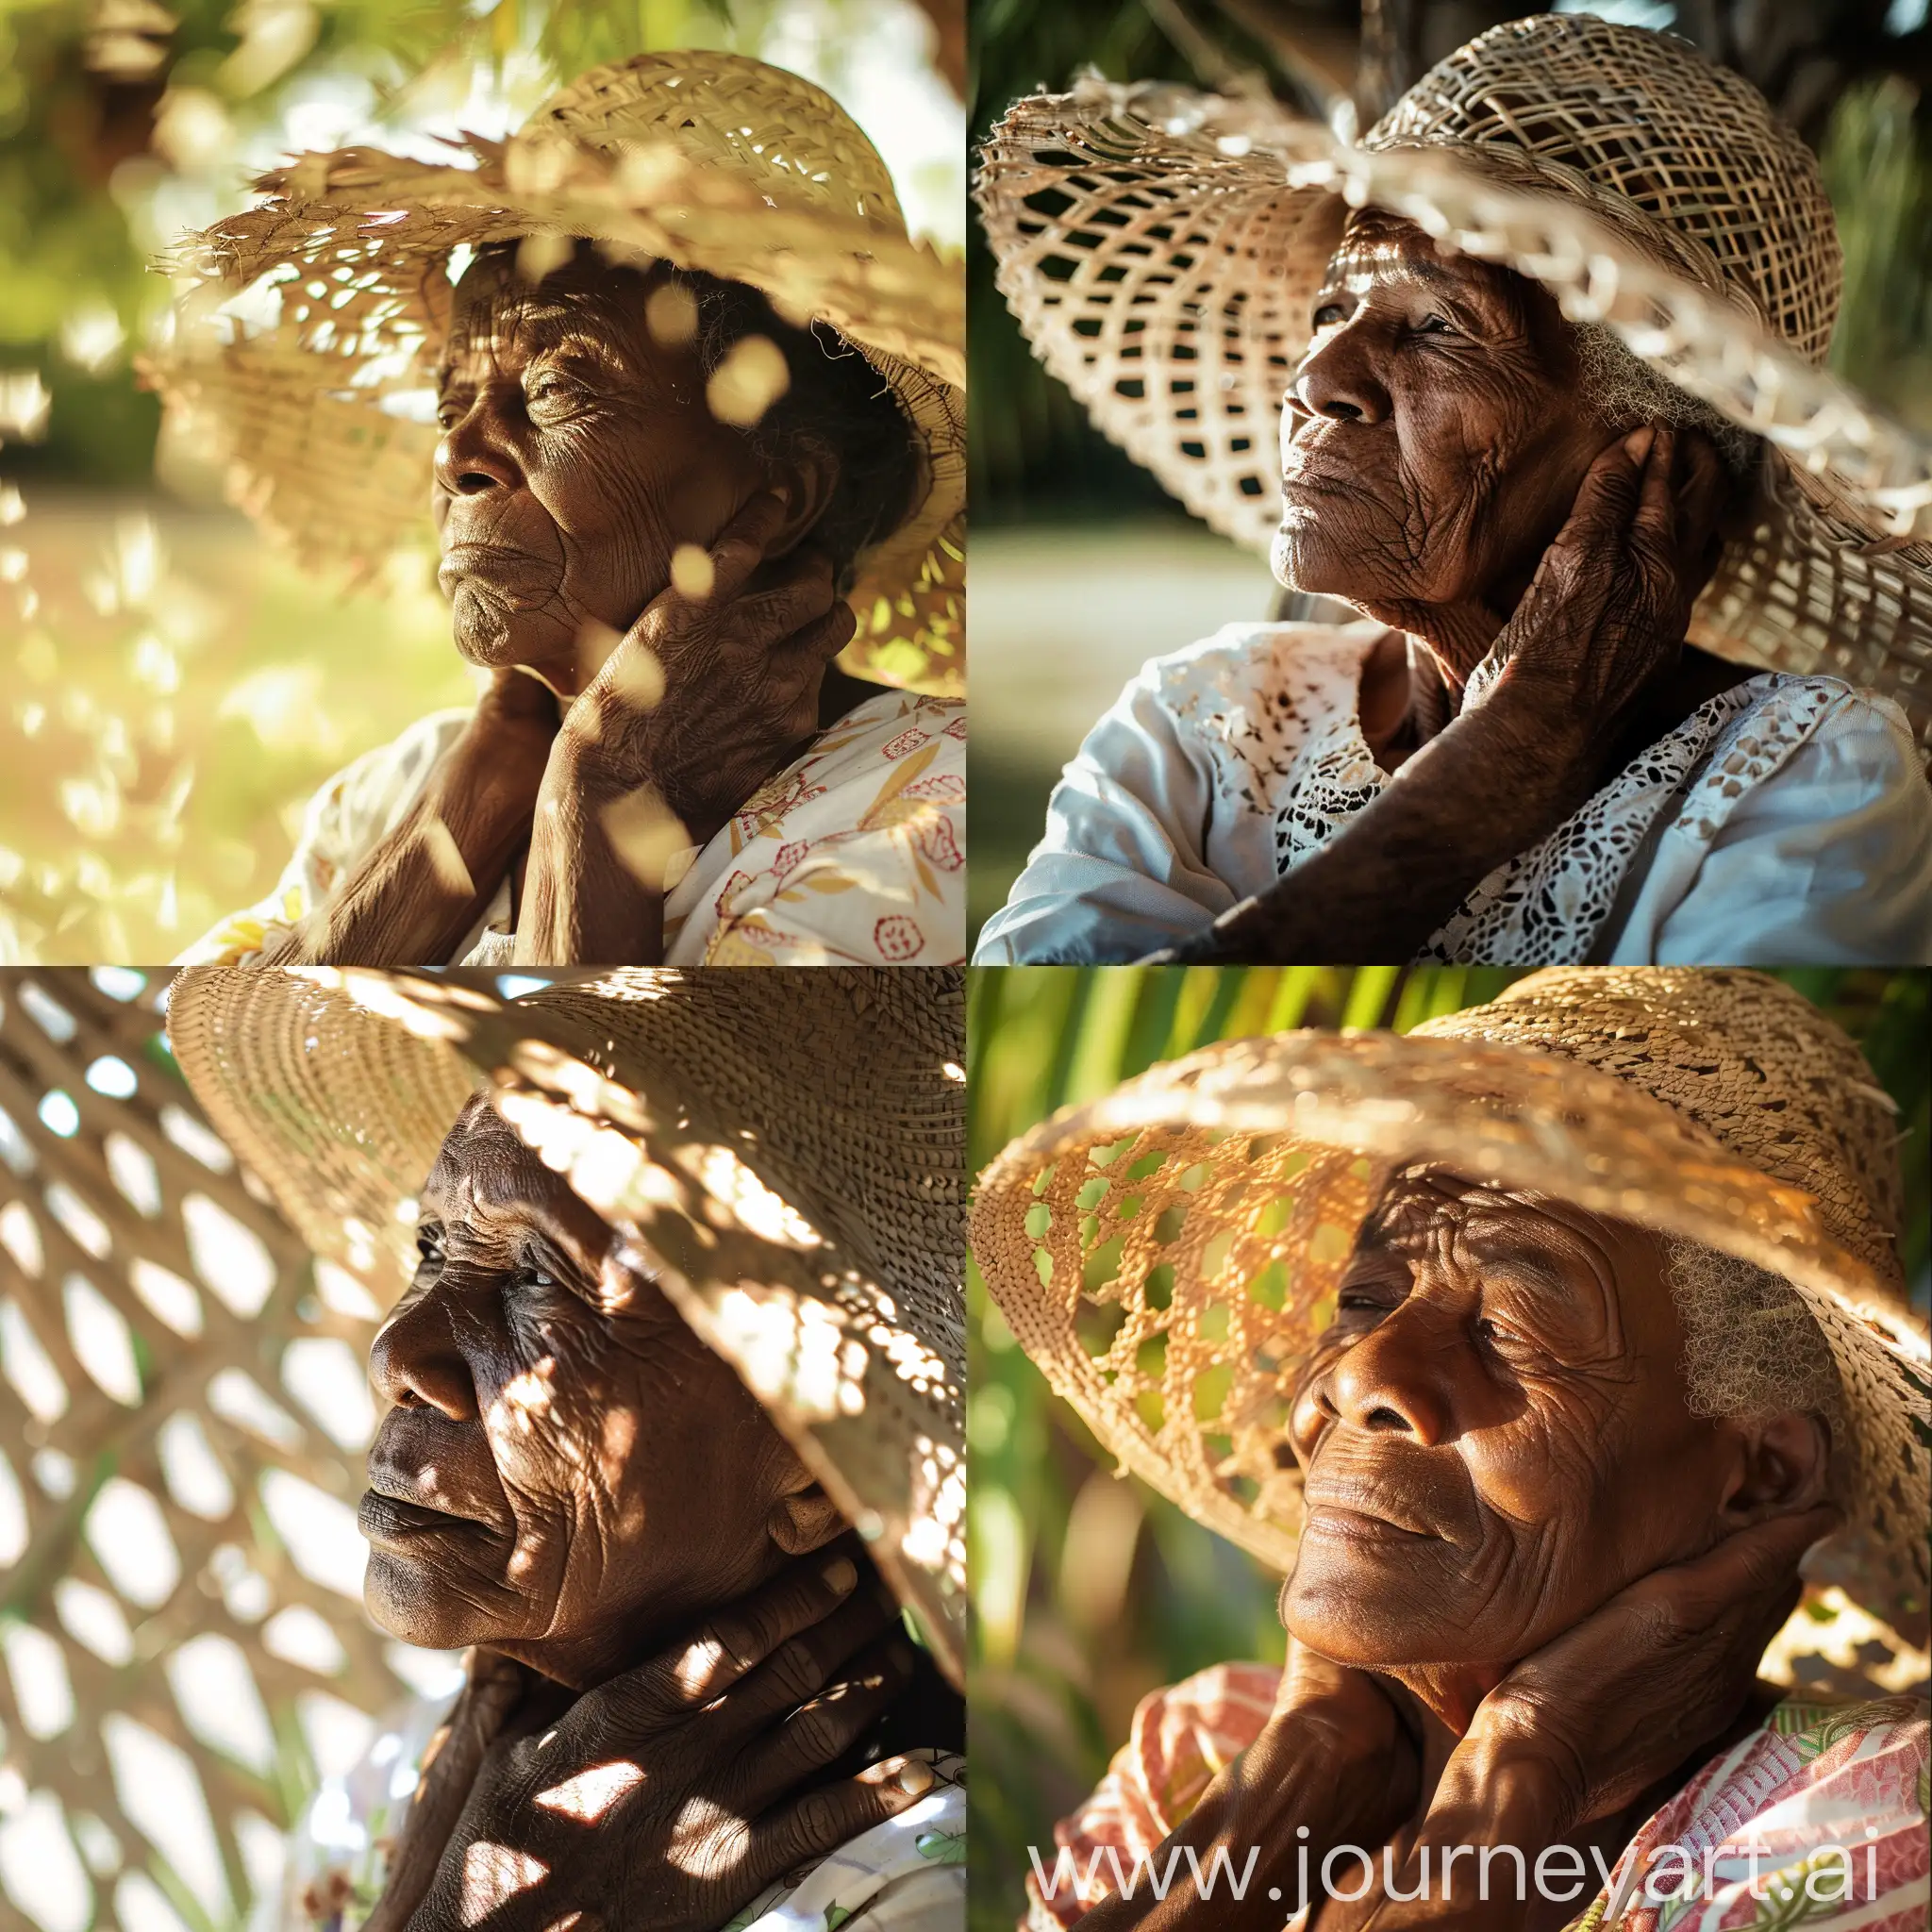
[
  {"x": 1168, "y": 1255},
  {"x": 710, "y": 162},
  {"x": 1161, "y": 249},
  {"x": 783, "y": 1154}
]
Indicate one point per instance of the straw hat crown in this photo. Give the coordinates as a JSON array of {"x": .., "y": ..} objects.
[
  {"x": 1620, "y": 115},
  {"x": 1748, "y": 1059},
  {"x": 753, "y": 122}
]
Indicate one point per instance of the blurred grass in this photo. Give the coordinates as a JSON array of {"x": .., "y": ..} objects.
[
  {"x": 1089, "y": 1591},
  {"x": 177, "y": 690}
]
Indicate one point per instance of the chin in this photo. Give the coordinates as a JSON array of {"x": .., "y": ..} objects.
[
  {"x": 418, "y": 1609},
  {"x": 1365, "y": 1621},
  {"x": 1303, "y": 558}
]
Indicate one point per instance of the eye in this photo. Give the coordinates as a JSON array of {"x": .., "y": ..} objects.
[
  {"x": 551, "y": 395},
  {"x": 429, "y": 1246},
  {"x": 1433, "y": 325},
  {"x": 1328, "y": 315},
  {"x": 530, "y": 1276}
]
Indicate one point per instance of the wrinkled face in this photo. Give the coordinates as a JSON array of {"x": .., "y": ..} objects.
[
  {"x": 1494, "y": 1431},
  {"x": 568, "y": 1472},
  {"x": 576, "y": 455},
  {"x": 1433, "y": 439}
]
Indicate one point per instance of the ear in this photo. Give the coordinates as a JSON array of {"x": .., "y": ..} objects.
[
  {"x": 1782, "y": 1466},
  {"x": 805, "y": 1521},
  {"x": 806, "y": 482}
]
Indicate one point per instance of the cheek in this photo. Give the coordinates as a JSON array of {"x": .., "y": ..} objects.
[{"x": 1477, "y": 469}]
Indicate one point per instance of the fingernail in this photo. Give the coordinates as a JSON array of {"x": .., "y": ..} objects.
[
  {"x": 1637, "y": 445},
  {"x": 914, "y": 1777},
  {"x": 839, "y": 1575}
]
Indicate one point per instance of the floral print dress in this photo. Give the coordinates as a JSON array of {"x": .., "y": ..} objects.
[
  {"x": 1813, "y": 1776},
  {"x": 855, "y": 854}
]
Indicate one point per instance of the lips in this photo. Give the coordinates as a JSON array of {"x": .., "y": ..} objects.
[
  {"x": 427, "y": 1473},
  {"x": 492, "y": 570}
]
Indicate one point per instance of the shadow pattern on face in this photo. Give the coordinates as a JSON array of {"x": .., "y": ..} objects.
[{"x": 567, "y": 1474}]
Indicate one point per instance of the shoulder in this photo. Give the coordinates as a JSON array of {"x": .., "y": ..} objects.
[
  {"x": 1821, "y": 1795},
  {"x": 373, "y": 788},
  {"x": 1851, "y": 732},
  {"x": 1239, "y": 661}
]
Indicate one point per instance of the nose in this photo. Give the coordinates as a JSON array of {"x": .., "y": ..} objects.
[
  {"x": 475, "y": 453},
  {"x": 1393, "y": 1378},
  {"x": 1337, "y": 380},
  {"x": 415, "y": 1362}
]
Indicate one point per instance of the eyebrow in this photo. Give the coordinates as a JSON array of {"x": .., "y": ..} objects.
[{"x": 546, "y": 327}]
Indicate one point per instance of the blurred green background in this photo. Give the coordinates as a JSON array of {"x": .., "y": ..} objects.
[
  {"x": 1083, "y": 568},
  {"x": 176, "y": 689},
  {"x": 1089, "y": 1590}
]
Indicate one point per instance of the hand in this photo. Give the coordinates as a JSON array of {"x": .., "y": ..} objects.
[
  {"x": 1625, "y": 1697},
  {"x": 1339, "y": 1755},
  {"x": 673, "y": 1794},
  {"x": 1603, "y": 621},
  {"x": 705, "y": 698}
]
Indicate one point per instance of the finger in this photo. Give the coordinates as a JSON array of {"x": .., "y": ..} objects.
[
  {"x": 800, "y": 1667},
  {"x": 1700, "y": 495},
  {"x": 740, "y": 548},
  {"x": 1656, "y": 508},
  {"x": 1607, "y": 497},
  {"x": 736, "y": 1640},
  {"x": 826, "y": 1726},
  {"x": 1748, "y": 1566},
  {"x": 824, "y": 638},
  {"x": 818, "y": 1822}
]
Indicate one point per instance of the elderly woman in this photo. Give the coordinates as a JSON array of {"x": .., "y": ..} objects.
[
  {"x": 1628, "y": 657},
  {"x": 1536, "y": 1348},
  {"x": 698, "y": 422},
  {"x": 691, "y": 1698}
]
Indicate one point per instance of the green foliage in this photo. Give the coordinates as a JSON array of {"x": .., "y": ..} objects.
[{"x": 1089, "y": 1590}]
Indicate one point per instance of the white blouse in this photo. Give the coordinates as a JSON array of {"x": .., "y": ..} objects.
[
  {"x": 1785, "y": 821},
  {"x": 853, "y": 854}
]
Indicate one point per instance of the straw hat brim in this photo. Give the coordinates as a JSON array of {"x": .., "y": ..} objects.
[
  {"x": 1160, "y": 249},
  {"x": 1168, "y": 1254},
  {"x": 301, "y": 415},
  {"x": 782, "y": 1158}
]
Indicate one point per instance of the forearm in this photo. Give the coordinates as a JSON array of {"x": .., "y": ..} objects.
[
  {"x": 1469, "y": 801},
  {"x": 1246, "y": 1835},
  {"x": 419, "y": 890},
  {"x": 595, "y": 889},
  {"x": 1474, "y": 1864}
]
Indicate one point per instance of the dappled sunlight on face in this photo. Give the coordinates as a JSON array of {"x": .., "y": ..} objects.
[{"x": 567, "y": 1469}]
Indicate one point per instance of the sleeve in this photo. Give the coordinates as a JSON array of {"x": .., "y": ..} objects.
[
  {"x": 1827, "y": 863},
  {"x": 1181, "y": 1737},
  {"x": 348, "y": 815},
  {"x": 1121, "y": 871}
]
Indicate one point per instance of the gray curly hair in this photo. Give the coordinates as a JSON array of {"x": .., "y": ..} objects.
[
  {"x": 1625, "y": 391},
  {"x": 1753, "y": 1348}
]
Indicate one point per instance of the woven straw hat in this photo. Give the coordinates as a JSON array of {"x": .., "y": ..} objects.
[
  {"x": 1168, "y": 1254},
  {"x": 783, "y": 1153},
  {"x": 1161, "y": 249},
  {"x": 710, "y": 162}
]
